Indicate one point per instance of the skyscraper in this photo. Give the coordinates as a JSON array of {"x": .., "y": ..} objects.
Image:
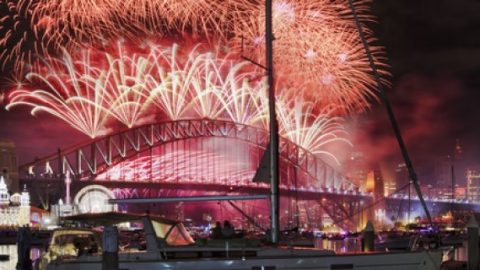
[
  {"x": 473, "y": 185},
  {"x": 357, "y": 168},
  {"x": 442, "y": 174},
  {"x": 401, "y": 177},
  {"x": 459, "y": 164}
]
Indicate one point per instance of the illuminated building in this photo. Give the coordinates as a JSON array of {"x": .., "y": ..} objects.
[
  {"x": 4, "y": 195},
  {"x": 358, "y": 168},
  {"x": 401, "y": 176},
  {"x": 473, "y": 185},
  {"x": 14, "y": 209},
  {"x": 375, "y": 183},
  {"x": 90, "y": 199},
  {"x": 460, "y": 192},
  {"x": 450, "y": 169},
  {"x": 443, "y": 171},
  {"x": 390, "y": 187}
]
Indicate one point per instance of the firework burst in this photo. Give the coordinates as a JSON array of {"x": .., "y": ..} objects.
[
  {"x": 20, "y": 34},
  {"x": 86, "y": 22},
  {"x": 316, "y": 48},
  {"x": 203, "y": 17},
  {"x": 63, "y": 93},
  {"x": 78, "y": 23},
  {"x": 316, "y": 43},
  {"x": 312, "y": 131},
  {"x": 90, "y": 89}
]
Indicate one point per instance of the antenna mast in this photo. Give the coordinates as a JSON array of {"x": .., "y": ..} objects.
[{"x": 274, "y": 172}]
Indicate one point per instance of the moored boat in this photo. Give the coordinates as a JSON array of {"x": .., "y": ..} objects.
[{"x": 169, "y": 246}]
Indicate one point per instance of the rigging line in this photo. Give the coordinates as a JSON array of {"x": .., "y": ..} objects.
[
  {"x": 400, "y": 208},
  {"x": 297, "y": 209},
  {"x": 391, "y": 115},
  {"x": 249, "y": 218},
  {"x": 375, "y": 203}
]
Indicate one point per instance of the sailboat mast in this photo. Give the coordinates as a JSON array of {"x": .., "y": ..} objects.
[
  {"x": 391, "y": 115},
  {"x": 274, "y": 169}
]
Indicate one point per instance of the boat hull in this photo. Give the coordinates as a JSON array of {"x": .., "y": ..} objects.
[{"x": 385, "y": 261}]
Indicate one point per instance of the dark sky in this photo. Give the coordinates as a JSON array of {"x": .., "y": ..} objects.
[{"x": 433, "y": 48}]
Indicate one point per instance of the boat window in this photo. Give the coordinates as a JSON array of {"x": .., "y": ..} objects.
[
  {"x": 161, "y": 229},
  {"x": 132, "y": 240},
  {"x": 179, "y": 237},
  {"x": 74, "y": 244}
]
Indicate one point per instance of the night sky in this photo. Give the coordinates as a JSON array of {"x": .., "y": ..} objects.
[
  {"x": 433, "y": 48},
  {"x": 434, "y": 53}
]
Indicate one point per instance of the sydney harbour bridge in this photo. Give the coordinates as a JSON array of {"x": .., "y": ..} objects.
[{"x": 207, "y": 157}]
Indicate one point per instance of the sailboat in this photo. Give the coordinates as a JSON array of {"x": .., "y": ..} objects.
[
  {"x": 169, "y": 246},
  {"x": 161, "y": 252}
]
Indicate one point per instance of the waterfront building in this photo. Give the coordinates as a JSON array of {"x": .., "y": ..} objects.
[
  {"x": 401, "y": 177},
  {"x": 443, "y": 171},
  {"x": 473, "y": 185},
  {"x": 4, "y": 195},
  {"x": 90, "y": 199},
  {"x": 357, "y": 168},
  {"x": 15, "y": 208},
  {"x": 375, "y": 183},
  {"x": 390, "y": 187}
]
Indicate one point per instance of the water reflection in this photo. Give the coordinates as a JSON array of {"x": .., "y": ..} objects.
[{"x": 12, "y": 251}]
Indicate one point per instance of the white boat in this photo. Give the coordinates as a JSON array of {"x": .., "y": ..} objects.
[{"x": 169, "y": 246}]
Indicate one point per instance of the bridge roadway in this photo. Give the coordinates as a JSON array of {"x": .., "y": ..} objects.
[
  {"x": 250, "y": 188},
  {"x": 340, "y": 198},
  {"x": 343, "y": 206},
  {"x": 309, "y": 194}
]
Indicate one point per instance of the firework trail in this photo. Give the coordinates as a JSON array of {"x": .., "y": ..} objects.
[
  {"x": 316, "y": 48},
  {"x": 204, "y": 17},
  {"x": 93, "y": 88},
  {"x": 316, "y": 43},
  {"x": 63, "y": 93},
  {"x": 199, "y": 83},
  {"x": 89, "y": 89},
  {"x": 87, "y": 22},
  {"x": 20, "y": 34},
  {"x": 122, "y": 80},
  {"x": 244, "y": 98},
  {"x": 312, "y": 131}
]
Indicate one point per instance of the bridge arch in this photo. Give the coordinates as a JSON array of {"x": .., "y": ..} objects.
[{"x": 88, "y": 160}]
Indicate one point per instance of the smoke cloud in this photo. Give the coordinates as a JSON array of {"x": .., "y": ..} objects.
[{"x": 424, "y": 107}]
